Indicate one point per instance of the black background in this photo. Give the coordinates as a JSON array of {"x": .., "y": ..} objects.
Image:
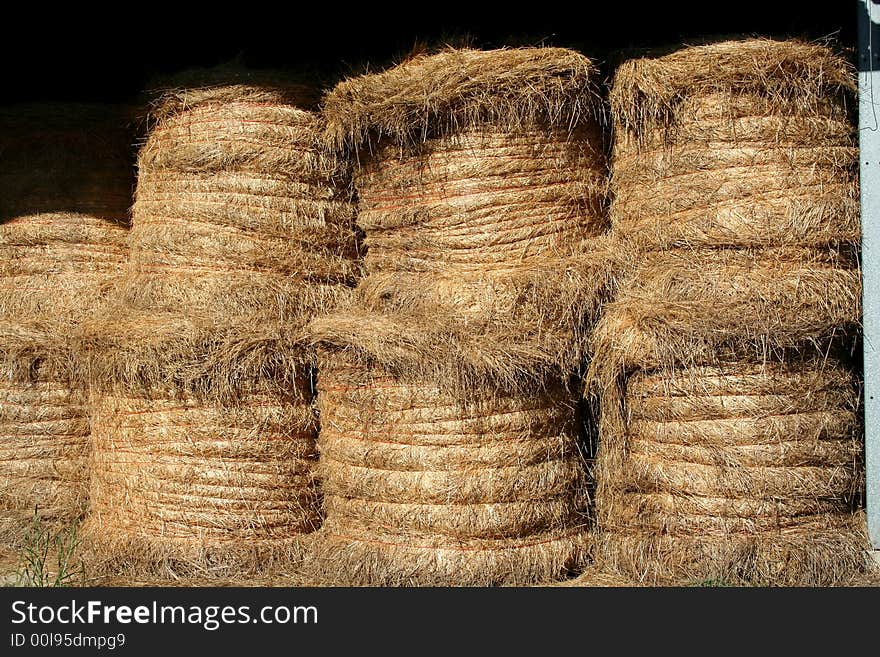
[{"x": 111, "y": 55}]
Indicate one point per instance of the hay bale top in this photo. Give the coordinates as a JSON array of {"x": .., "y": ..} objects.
[
  {"x": 221, "y": 120},
  {"x": 182, "y": 99},
  {"x": 456, "y": 89},
  {"x": 649, "y": 90},
  {"x": 225, "y": 84}
]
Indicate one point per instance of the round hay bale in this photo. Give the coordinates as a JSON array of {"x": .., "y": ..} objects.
[
  {"x": 735, "y": 195},
  {"x": 421, "y": 488},
  {"x": 481, "y": 187},
  {"x": 182, "y": 486},
  {"x": 43, "y": 456},
  {"x": 65, "y": 189},
  {"x": 236, "y": 213},
  {"x": 242, "y": 231},
  {"x": 737, "y": 472}
]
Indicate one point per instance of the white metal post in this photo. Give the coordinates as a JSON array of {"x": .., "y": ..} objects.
[{"x": 869, "y": 148}]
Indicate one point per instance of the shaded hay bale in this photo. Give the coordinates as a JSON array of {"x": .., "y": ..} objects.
[
  {"x": 737, "y": 472},
  {"x": 421, "y": 488},
  {"x": 43, "y": 456},
  {"x": 65, "y": 190},
  {"x": 735, "y": 196},
  {"x": 181, "y": 486},
  {"x": 480, "y": 188}
]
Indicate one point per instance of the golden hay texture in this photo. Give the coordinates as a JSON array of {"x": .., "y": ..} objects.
[
  {"x": 420, "y": 488},
  {"x": 481, "y": 187},
  {"x": 65, "y": 189},
  {"x": 741, "y": 472},
  {"x": 240, "y": 235},
  {"x": 43, "y": 456},
  {"x": 183, "y": 487},
  {"x": 735, "y": 196}
]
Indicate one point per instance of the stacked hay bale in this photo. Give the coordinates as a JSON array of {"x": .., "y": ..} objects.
[
  {"x": 204, "y": 437},
  {"x": 423, "y": 487},
  {"x": 729, "y": 442},
  {"x": 449, "y": 450},
  {"x": 65, "y": 189}
]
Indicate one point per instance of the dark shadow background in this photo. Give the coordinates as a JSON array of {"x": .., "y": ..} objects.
[{"x": 111, "y": 56}]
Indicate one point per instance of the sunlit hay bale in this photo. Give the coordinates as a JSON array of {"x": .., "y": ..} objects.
[
  {"x": 182, "y": 486},
  {"x": 735, "y": 194},
  {"x": 480, "y": 177},
  {"x": 240, "y": 232},
  {"x": 198, "y": 368},
  {"x": 422, "y": 488},
  {"x": 739, "y": 472}
]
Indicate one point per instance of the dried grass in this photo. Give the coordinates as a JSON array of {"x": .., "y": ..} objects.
[
  {"x": 43, "y": 456},
  {"x": 65, "y": 190},
  {"x": 735, "y": 201},
  {"x": 421, "y": 488},
  {"x": 240, "y": 236},
  {"x": 730, "y": 443},
  {"x": 453, "y": 90},
  {"x": 742, "y": 472},
  {"x": 481, "y": 191},
  {"x": 181, "y": 487},
  {"x": 204, "y": 438}
]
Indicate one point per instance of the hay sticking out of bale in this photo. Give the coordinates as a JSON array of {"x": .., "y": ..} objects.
[
  {"x": 184, "y": 487},
  {"x": 741, "y": 472},
  {"x": 43, "y": 456},
  {"x": 421, "y": 488},
  {"x": 786, "y": 74},
  {"x": 457, "y": 89},
  {"x": 690, "y": 306},
  {"x": 240, "y": 236},
  {"x": 735, "y": 202},
  {"x": 481, "y": 189}
]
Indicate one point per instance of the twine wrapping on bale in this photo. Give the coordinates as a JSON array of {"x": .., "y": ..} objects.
[
  {"x": 65, "y": 190},
  {"x": 240, "y": 235},
  {"x": 205, "y": 440},
  {"x": 181, "y": 486},
  {"x": 43, "y": 456},
  {"x": 738, "y": 472},
  {"x": 421, "y": 488},
  {"x": 735, "y": 196},
  {"x": 480, "y": 186}
]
